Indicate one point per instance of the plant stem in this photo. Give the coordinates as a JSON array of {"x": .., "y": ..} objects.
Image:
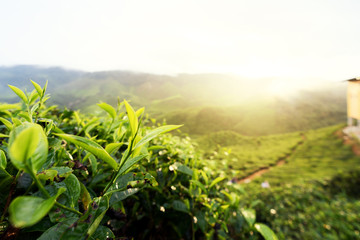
[
  {"x": 43, "y": 190},
  {"x": 38, "y": 183},
  {"x": 113, "y": 177},
  {"x": 68, "y": 209}
]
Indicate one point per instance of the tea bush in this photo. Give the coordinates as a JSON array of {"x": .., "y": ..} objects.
[
  {"x": 312, "y": 211},
  {"x": 64, "y": 175}
]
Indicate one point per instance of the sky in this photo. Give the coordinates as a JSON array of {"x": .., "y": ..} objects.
[{"x": 293, "y": 41}]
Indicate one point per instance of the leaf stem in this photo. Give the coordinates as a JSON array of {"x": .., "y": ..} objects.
[
  {"x": 68, "y": 209},
  {"x": 43, "y": 190}
]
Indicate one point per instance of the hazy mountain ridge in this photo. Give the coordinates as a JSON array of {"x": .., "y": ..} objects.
[{"x": 203, "y": 102}]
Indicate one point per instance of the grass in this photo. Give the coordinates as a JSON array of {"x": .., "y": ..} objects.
[
  {"x": 322, "y": 156},
  {"x": 308, "y": 211},
  {"x": 242, "y": 155}
]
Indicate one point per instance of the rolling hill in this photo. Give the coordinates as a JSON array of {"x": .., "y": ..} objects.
[{"x": 204, "y": 103}]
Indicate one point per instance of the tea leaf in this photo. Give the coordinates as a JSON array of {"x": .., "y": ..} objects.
[
  {"x": 3, "y": 161},
  {"x": 97, "y": 221},
  {"x": 90, "y": 146},
  {"x": 38, "y": 88},
  {"x": 199, "y": 184},
  {"x": 28, "y": 146},
  {"x": 180, "y": 206},
  {"x": 156, "y": 132},
  {"x": 73, "y": 189},
  {"x": 129, "y": 163},
  {"x": 85, "y": 196},
  {"x": 140, "y": 111},
  {"x": 55, "y": 232},
  {"x": 26, "y": 211},
  {"x": 33, "y": 96},
  {"x": 133, "y": 120},
  {"x": 7, "y": 123},
  {"x": 44, "y": 89},
  {"x": 182, "y": 168},
  {"x": 265, "y": 231},
  {"x": 102, "y": 232},
  {"x": 4, "y": 107},
  {"x": 110, "y": 148},
  {"x": 216, "y": 180},
  {"x": 108, "y": 108},
  {"x": 249, "y": 215},
  {"x": 119, "y": 196},
  {"x": 20, "y": 93},
  {"x": 47, "y": 175}
]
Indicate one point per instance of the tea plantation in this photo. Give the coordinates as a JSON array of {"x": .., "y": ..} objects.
[{"x": 121, "y": 175}]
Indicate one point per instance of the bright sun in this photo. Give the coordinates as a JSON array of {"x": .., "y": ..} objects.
[{"x": 281, "y": 89}]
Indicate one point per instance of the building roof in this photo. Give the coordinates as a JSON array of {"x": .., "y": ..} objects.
[{"x": 353, "y": 79}]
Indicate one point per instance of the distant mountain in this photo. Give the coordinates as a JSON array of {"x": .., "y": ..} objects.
[{"x": 203, "y": 102}]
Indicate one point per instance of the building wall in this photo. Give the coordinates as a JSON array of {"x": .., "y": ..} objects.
[{"x": 353, "y": 99}]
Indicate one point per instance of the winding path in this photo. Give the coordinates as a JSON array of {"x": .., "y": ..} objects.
[{"x": 281, "y": 161}]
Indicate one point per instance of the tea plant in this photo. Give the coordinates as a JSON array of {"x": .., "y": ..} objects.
[{"x": 68, "y": 176}]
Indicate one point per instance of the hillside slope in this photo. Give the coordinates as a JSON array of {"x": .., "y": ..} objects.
[{"x": 204, "y": 103}]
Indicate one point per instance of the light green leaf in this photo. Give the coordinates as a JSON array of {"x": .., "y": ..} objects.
[
  {"x": 133, "y": 120},
  {"x": 44, "y": 89},
  {"x": 37, "y": 87},
  {"x": 28, "y": 146},
  {"x": 26, "y": 211},
  {"x": 217, "y": 180},
  {"x": 140, "y": 111},
  {"x": 111, "y": 147},
  {"x": 199, "y": 184},
  {"x": 249, "y": 215},
  {"x": 3, "y": 135},
  {"x": 4, "y": 107},
  {"x": 130, "y": 162},
  {"x": 34, "y": 108},
  {"x": 108, "y": 108},
  {"x": 48, "y": 174},
  {"x": 265, "y": 231},
  {"x": 20, "y": 93},
  {"x": 7, "y": 123},
  {"x": 63, "y": 172},
  {"x": 3, "y": 161},
  {"x": 16, "y": 122},
  {"x": 181, "y": 168},
  {"x": 154, "y": 133},
  {"x": 90, "y": 146},
  {"x": 33, "y": 96}
]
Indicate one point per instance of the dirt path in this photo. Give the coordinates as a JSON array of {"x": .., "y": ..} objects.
[
  {"x": 355, "y": 146},
  {"x": 280, "y": 162}
]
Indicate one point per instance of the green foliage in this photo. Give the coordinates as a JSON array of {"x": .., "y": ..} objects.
[
  {"x": 311, "y": 211},
  {"x": 28, "y": 147},
  {"x": 90, "y": 146},
  {"x": 321, "y": 156},
  {"x": 240, "y": 156},
  {"x": 26, "y": 211},
  {"x": 64, "y": 175}
]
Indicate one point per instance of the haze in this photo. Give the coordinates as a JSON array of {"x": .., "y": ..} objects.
[{"x": 289, "y": 41}]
